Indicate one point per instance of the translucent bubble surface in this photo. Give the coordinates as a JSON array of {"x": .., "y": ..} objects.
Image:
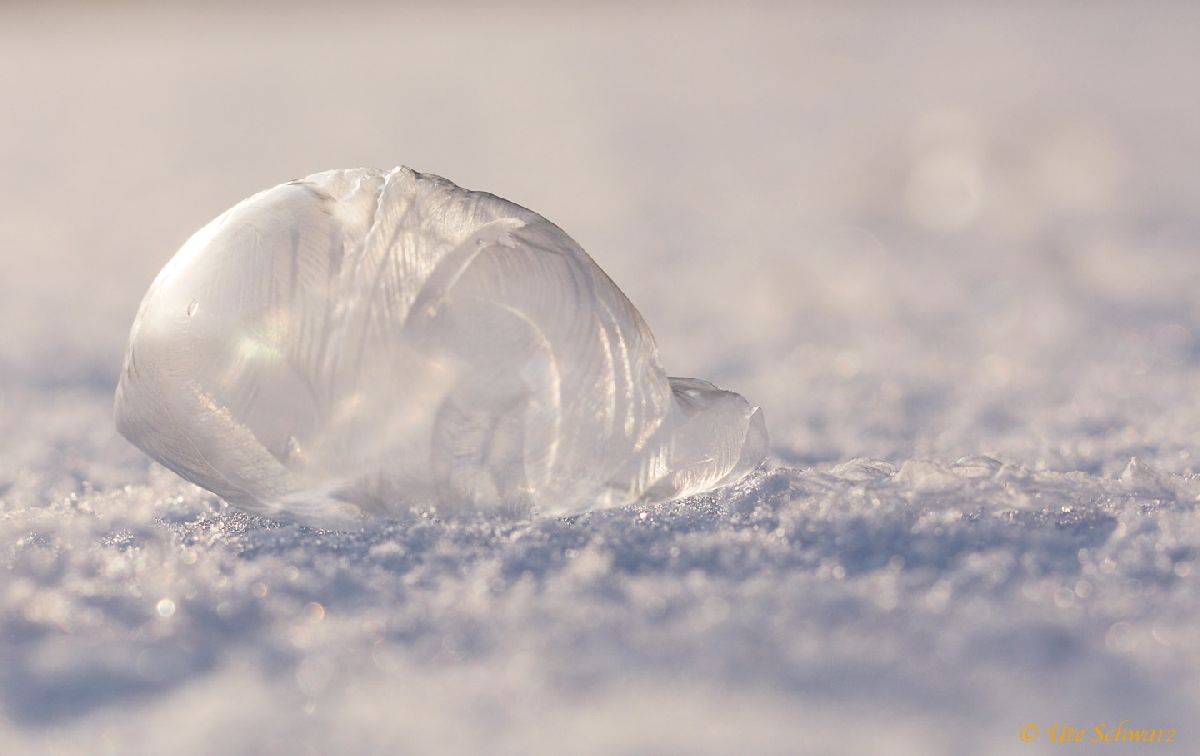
[{"x": 363, "y": 342}]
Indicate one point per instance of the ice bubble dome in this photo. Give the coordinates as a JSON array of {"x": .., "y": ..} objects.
[{"x": 366, "y": 342}]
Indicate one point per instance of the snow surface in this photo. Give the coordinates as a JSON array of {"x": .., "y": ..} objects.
[{"x": 914, "y": 234}]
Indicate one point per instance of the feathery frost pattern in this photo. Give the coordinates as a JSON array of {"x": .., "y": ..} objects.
[{"x": 363, "y": 342}]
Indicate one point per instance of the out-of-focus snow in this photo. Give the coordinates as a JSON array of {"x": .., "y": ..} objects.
[{"x": 952, "y": 252}]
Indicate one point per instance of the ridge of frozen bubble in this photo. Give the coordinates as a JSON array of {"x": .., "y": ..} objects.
[{"x": 366, "y": 342}]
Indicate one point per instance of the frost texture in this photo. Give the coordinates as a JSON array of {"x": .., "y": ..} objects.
[{"x": 366, "y": 342}]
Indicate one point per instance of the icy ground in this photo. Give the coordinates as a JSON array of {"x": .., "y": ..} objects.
[{"x": 952, "y": 251}]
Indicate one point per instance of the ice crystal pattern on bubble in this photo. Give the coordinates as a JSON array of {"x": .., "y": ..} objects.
[{"x": 364, "y": 342}]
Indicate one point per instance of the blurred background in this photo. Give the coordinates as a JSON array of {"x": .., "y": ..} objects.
[
  {"x": 916, "y": 229},
  {"x": 902, "y": 228}
]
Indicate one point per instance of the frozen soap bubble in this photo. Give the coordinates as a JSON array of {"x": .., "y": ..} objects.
[{"x": 363, "y": 342}]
